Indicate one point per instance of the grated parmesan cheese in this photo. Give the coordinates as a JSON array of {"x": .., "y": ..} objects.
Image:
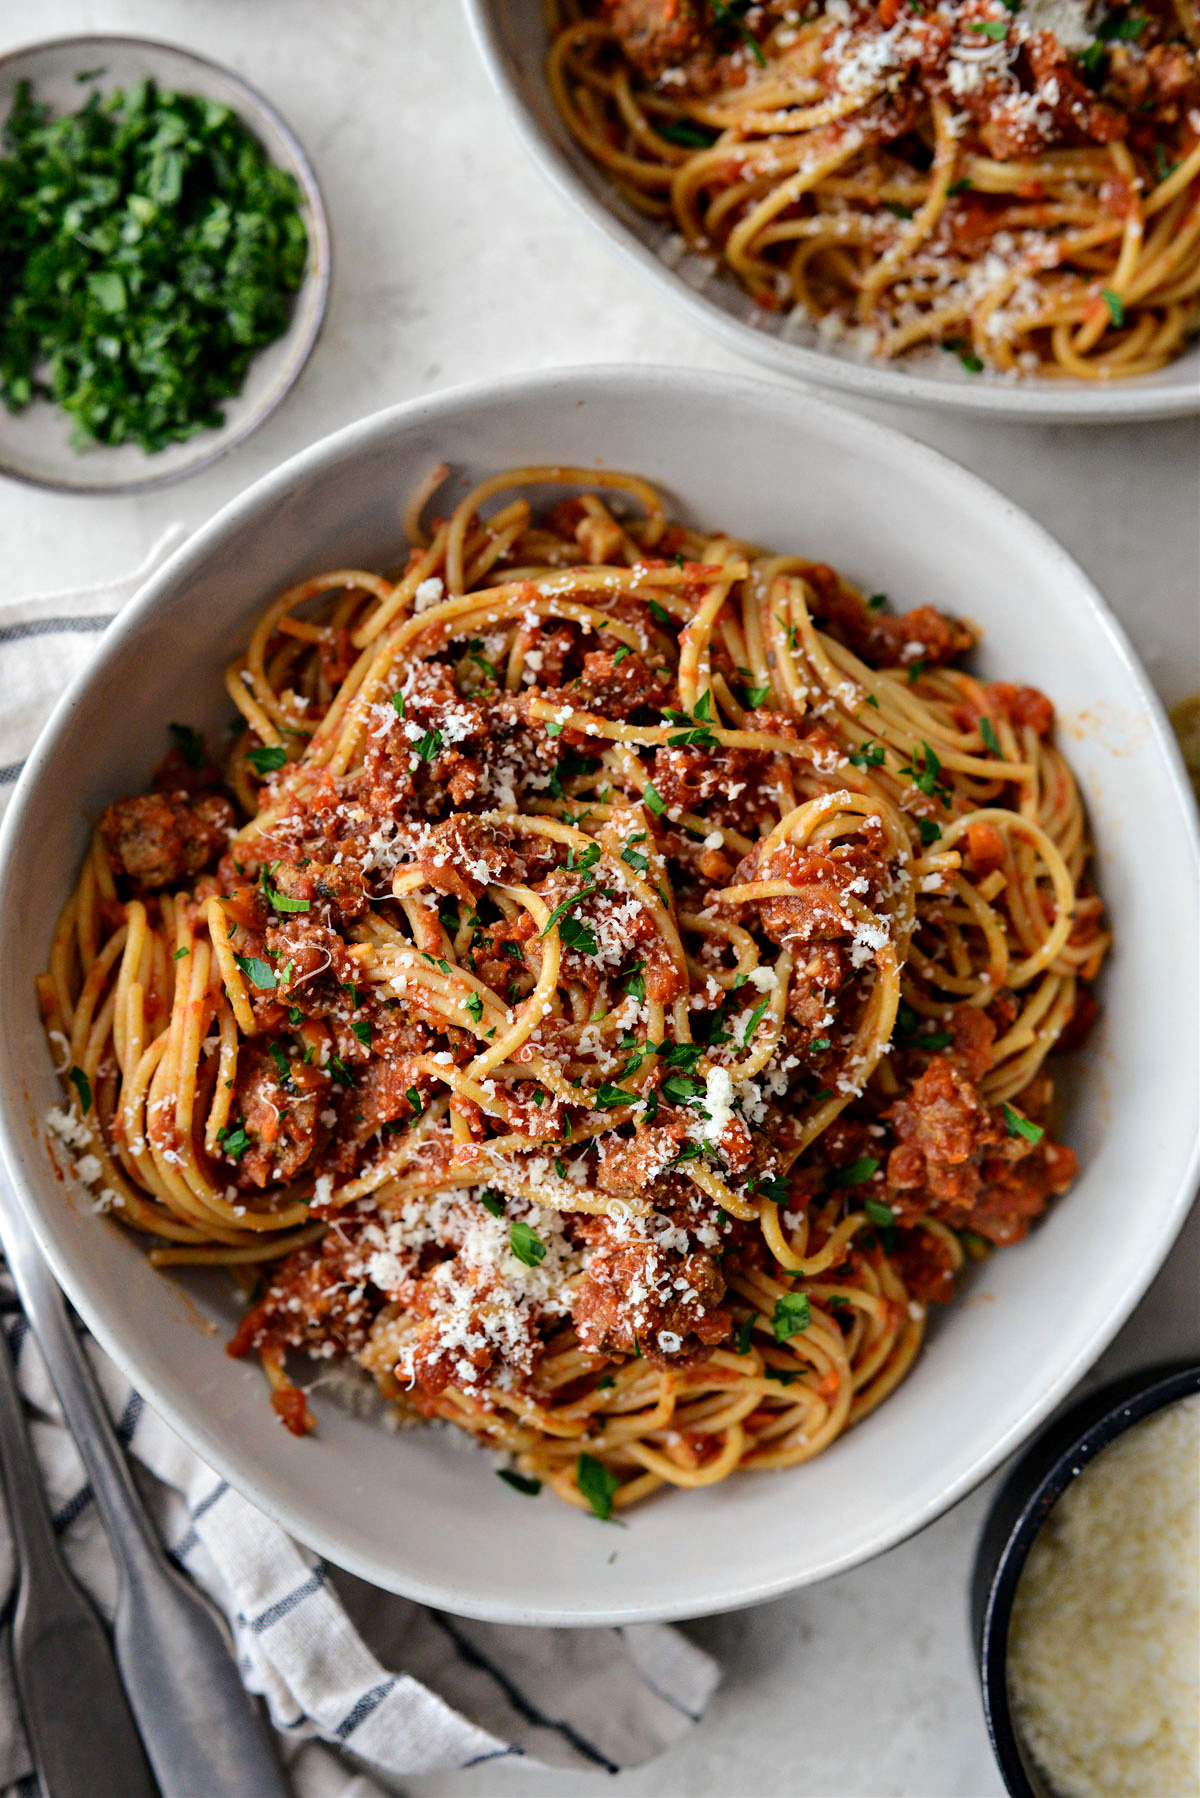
[{"x": 1104, "y": 1657}]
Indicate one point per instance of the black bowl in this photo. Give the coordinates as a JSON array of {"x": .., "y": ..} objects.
[{"x": 1024, "y": 1502}]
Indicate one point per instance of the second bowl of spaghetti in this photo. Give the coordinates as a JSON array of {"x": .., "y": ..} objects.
[{"x": 593, "y": 974}]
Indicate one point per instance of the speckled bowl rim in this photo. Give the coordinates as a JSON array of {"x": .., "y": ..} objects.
[
  {"x": 1056, "y": 1459},
  {"x": 317, "y": 277}
]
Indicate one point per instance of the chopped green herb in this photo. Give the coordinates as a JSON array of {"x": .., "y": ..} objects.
[
  {"x": 526, "y": 1245},
  {"x": 870, "y": 756},
  {"x": 258, "y": 972},
  {"x": 150, "y": 250},
  {"x": 929, "y": 830},
  {"x": 362, "y": 1030},
  {"x": 341, "y": 1073},
  {"x": 993, "y": 28},
  {"x": 682, "y": 1089},
  {"x": 914, "y": 672},
  {"x": 1115, "y": 304},
  {"x": 1017, "y": 1125},
  {"x": 901, "y": 212},
  {"x": 578, "y": 936},
  {"x": 598, "y": 1484},
  {"x": 652, "y": 800},
  {"x": 474, "y": 1007},
  {"x": 755, "y": 696},
  {"x": 233, "y": 1141},
  {"x": 756, "y": 1018},
  {"x": 634, "y": 858},
  {"x": 189, "y": 742},
  {"x": 989, "y": 735},
  {"x": 429, "y": 746},
  {"x": 398, "y": 704},
  {"x": 687, "y": 133},
  {"x": 619, "y": 653},
  {"x": 83, "y": 1087},
  {"x": 266, "y": 758},
  {"x": 520, "y": 1482},
  {"x": 961, "y": 186},
  {"x": 279, "y": 901},
  {"x": 792, "y": 1314},
  {"x": 745, "y": 1331},
  {"x": 879, "y": 1213},
  {"x": 856, "y": 1173},
  {"x": 552, "y": 727},
  {"x": 819, "y": 1045},
  {"x": 493, "y": 1203},
  {"x": 877, "y": 602},
  {"x": 415, "y": 1100},
  {"x": 635, "y": 982},
  {"x": 659, "y": 613},
  {"x": 179, "y": 954}
]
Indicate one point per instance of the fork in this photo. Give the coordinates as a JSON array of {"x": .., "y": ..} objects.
[
  {"x": 202, "y": 1731},
  {"x": 71, "y": 1698}
]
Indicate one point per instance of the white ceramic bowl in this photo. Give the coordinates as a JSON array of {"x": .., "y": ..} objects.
[
  {"x": 423, "y": 1512},
  {"x": 512, "y": 40},
  {"x": 35, "y": 445}
]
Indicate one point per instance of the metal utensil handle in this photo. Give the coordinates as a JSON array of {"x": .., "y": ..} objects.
[
  {"x": 202, "y": 1731},
  {"x": 75, "y": 1712}
]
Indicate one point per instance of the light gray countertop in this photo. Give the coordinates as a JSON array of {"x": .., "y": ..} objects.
[{"x": 454, "y": 262}]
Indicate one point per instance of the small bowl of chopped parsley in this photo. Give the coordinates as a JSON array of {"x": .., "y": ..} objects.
[{"x": 164, "y": 263}]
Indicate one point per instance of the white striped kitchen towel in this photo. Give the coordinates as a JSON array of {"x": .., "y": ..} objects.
[{"x": 400, "y": 1689}]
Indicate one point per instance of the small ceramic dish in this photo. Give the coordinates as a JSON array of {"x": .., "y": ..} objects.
[
  {"x": 1058, "y": 1456},
  {"x": 512, "y": 41},
  {"x": 35, "y": 445}
]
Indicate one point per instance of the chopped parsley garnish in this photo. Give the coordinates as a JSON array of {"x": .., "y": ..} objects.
[
  {"x": 773, "y": 1187},
  {"x": 877, "y": 602},
  {"x": 653, "y": 801},
  {"x": 1115, "y": 304},
  {"x": 552, "y": 727},
  {"x": 1121, "y": 26},
  {"x": 879, "y": 1213},
  {"x": 900, "y": 212},
  {"x": 341, "y": 1073},
  {"x": 819, "y": 1044},
  {"x": 785, "y": 1375},
  {"x": 258, "y": 972},
  {"x": 993, "y": 28},
  {"x": 492, "y": 1203},
  {"x": 266, "y": 758},
  {"x": 150, "y": 251},
  {"x": 474, "y": 1007},
  {"x": 635, "y": 982},
  {"x": 587, "y": 858},
  {"x": 856, "y": 1173},
  {"x": 961, "y": 186},
  {"x": 276, "y": 900},
  {"x": 578, "y": 936},
  {"x": 989, "y": 735},
  {"x": 729, "y": 13},
  {"x": 608, "y": 1096},
  {"x": 745, "y": 1331},
  {"x": 966, "y": 355},
  {"x": 234, "y": 1141},
  {"x": 682, "y": 1089},
  {"x": 415, "y": 1100},
  {"x": 189, "y": 742},
  {"x": 619, "y": 653},
  {"x": 598, "y": 1484},
  {"x": 929, "y": 830},
  {"x": 570, "y": 766},
  {"x": 560, "y": 910},
  {"x": 398, "y": 704},
  {"x": 83, "y": 1087},
  {"x": 1016, "y": 1125},
  {"x": 755, "y": 696},
  {"x": 687, "y": 133},
  {"x": 756, "y": 1018},
  {"x": 792, "y": 1314},
  {"x": 634, "y": 858},
  {"x": 526, "y": 1245},
  {"x": 925, "y": 778},
  {"x": 659, "y": 613},
  {"x": 520, "y": 1482},
  {"x": 870, "y": 756},
  {"x": 362, "y": 1030},
  {"x": 428, "y": 746},
  {"x": 179, "y": 954}
]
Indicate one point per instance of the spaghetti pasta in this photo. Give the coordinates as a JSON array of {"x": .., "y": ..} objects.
[
  {"x": 1019, "y": 183},
  {"x": 604, "y": 993}
]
